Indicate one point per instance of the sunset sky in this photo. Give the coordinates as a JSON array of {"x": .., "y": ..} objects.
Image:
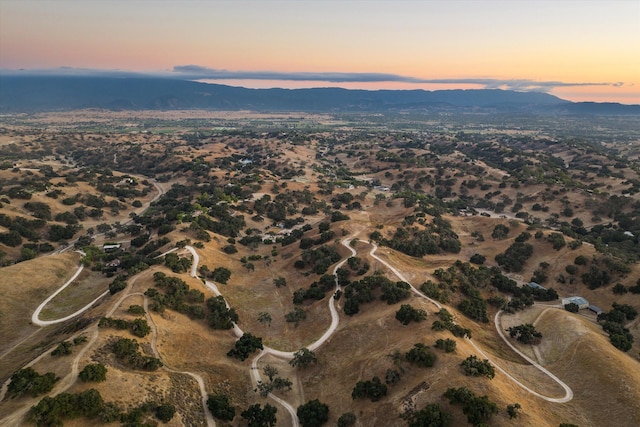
[{"x": 583, "y": 50}]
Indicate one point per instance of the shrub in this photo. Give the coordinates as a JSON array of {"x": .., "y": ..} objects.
[
  {"x": 619, "y": 289},
  {"x": 448, "y": 345},
  {"x": 500, "y": 231},
  {"x": 478, "y": 259},
  {"x": 50, "y": 411},
  {"x": 572, "y": 307},
  {"x": 478, "y": 410},
  {"x": 140, "y": 327},
  {"x": 347, "y": 419},
  {"x": 28, "y": 380},
  {"x": 63, "y": 349},
  {"x": 135, "y": 309},
  {"x": 246, "y": 345},
  {"x": 118, "y": 284},
  {"x": 580, "y": 260},
  {"x": 313, "y": 413},
  {"x": 557, "y": 240},
  {"x": 221, "y": 407},
  {"x": 165, "y": 412},
  {"x": 430, "y": 416},
  {"x": 571, "y": 269},
  {"x": 421, "y": 356},
  {"x": 372, "y": 389},
  {"x": 475, "y": 367},
  {"x": 406, "y": 314},
  {"x": 221, "y": 275},
  {"x": 95, "y": 372},
  {"x": 525, "y": 333}
]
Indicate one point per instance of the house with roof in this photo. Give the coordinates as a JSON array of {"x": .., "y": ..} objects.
[{"x": 579, "y": 301}]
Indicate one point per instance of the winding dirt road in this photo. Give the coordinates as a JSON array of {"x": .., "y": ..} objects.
[
  {"x": 568, "y": 392},
  {"x": 35, "y": 317},
  {"x": 335, "y": 319}
]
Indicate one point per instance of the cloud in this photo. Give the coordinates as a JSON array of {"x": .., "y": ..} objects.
[
  {"x": 197, "y": 72},
  {"x": 201, "y": 73}
]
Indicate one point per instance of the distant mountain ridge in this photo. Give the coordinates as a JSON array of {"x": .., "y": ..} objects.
[{"x": 31, "y": 93}]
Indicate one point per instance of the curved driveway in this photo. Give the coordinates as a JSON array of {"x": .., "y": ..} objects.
[
  {"x": 568, "y": 392},
  {"x": 35, "y": 317},
  {"x": 255, "y": 373},
  {"x": 335, "y": 318}
]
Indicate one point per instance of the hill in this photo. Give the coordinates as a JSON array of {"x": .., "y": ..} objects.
[
  {"x": 387, "y": 244},
  {"x": 29, "y": 93}
]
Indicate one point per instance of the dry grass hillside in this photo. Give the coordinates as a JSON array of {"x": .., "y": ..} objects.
[{"x": 270, "y": 199}]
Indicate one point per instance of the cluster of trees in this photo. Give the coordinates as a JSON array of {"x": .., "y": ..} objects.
[
  {"x": 434, "y": 239},
  {"x": 173, "y": 293},
  {"x": 27, "y": 380},
  {"x": 51, "y": 411},
  {"x": 221, "y": 316},
  {"x": 138, "y": 327},
  {"x": 557, "y": 241},
  {"x": 303, "y": 358},
  {"x": 431, "y": 416},
  {"x": 358, "y": 265},
  {"x": 19, "y": 228},
  {"x": 246, "y": 345},
  {"x": 523, "y": 296},
  {"x": 445, "y": 322},
  {"x": 313, "y": 413},
  {"x": 94, "y": 372},
  {"x": 613, "y": 323},
  {"x": 316, "y": 291},
  {"x": 118, "y": 284},
  {"x": 127, "y": 350},
  {"x": 307, "y": 242},
  {"x": 257, "y": 416},
  {"x": 475, "y": 367},
  {"x": 436, "y": 291},
  {"x": 318, "y": 259},
  {"x": 295, "y": 316},
  {"x": 218, "y": 274},
  {"x": 176, "y": 263},
  {"x": 407, "y": 314},
  {"x": 420, "y": 355},
  {"x": 514, "y": 258},
  {"x": 596, "y": 277},
  {"x": 65, "y": 347},
  {"x": 500, "y": 231},
  {"x": 221, "y": 407},
  {"x": 525, "y": 333},
  {"x": 365, "y": 290},
  {"x": 479, "y": 410},
  {"x": 448, "y": 345},
  {"x": 275, "y": 382},
  {"x": 372, "y": 389}
]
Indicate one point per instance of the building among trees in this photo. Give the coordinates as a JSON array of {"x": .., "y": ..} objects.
[{"x": 579, "y": 301}]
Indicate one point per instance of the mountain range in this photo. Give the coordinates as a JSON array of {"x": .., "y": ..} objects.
[{"x": 34, "y": 93}]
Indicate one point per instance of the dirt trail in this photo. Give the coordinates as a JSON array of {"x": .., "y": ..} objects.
[{"x": 568, "y": 392}]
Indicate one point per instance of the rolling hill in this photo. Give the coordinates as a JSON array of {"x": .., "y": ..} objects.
[{"x": 29, "y": 93}]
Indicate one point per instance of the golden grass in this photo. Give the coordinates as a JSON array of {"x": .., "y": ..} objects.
[{"x": 23, "y": 287}]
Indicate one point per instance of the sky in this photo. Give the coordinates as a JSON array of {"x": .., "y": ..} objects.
[{"x": 587, "y": 50}]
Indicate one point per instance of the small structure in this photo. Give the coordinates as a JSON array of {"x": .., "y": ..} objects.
[
  {"x": 596, "y": 310},
  {"x": 579, "y": 301},
  {"x": 110, "y": 247},
  {"x": 535, "y": 285}
]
